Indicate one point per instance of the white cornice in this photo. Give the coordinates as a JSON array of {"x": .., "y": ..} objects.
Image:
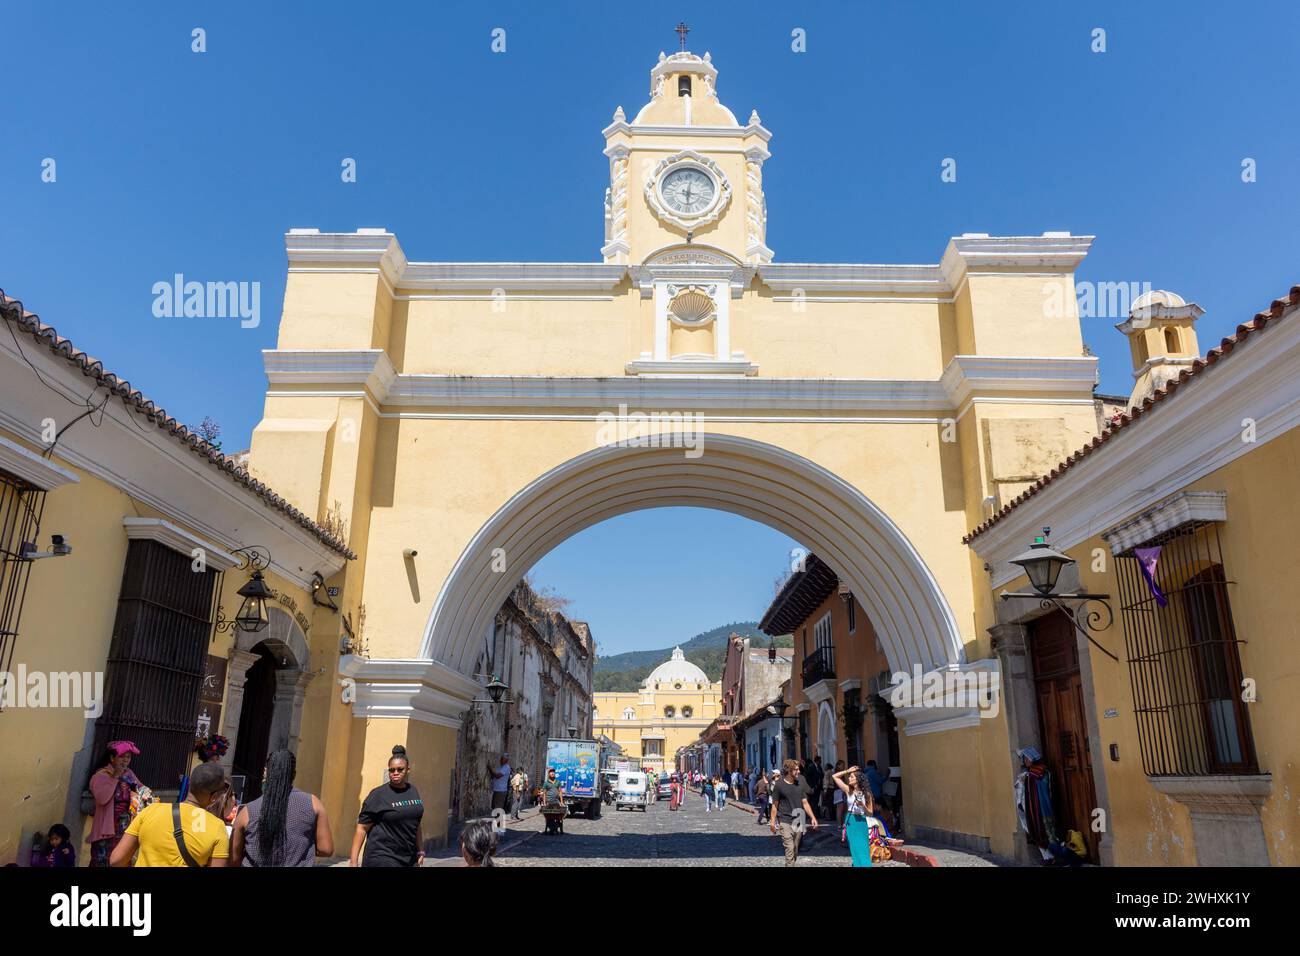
[
  {"x": 721, "y": 132},
  {"x": 409, "y": 689},
  {"x": 849, "y": 278},
  {"x": 364, "y": 367},
  {"x": 369, "y": 251},
  {"x": 364, "y": 248},
  {"x": 32, "y": 468},
  {"x": 694, "y": 385},
  {"x": 1183, "y": 508},
  {"x": 1189, "y": 435},
  {"x": 1058, "y": 251},
  {"x": 982, "y": 375},
  {"x": 178, "y": 539},
  {"x": 735, "y": 368},
  {"x": 376, "y": 250},
  {"x": 594, "y": 276}
]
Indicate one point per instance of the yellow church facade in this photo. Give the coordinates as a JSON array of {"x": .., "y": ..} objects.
[
  {"x": 462, "y": 419},
  {"x": 674, "y": 705}
]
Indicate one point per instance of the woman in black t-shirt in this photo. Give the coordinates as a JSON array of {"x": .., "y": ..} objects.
[{"x": 389, "y": 823}]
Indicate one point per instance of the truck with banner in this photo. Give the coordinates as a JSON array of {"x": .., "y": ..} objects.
[{"x": 577, "y": 766}]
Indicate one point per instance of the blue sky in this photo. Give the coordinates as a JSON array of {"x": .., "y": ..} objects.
[{"x": 170, "y": 161}]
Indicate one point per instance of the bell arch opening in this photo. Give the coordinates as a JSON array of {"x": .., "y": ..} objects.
[{"x": 756, "y": 480}]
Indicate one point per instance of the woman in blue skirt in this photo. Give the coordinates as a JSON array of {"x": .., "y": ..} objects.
[{"x": 857, "y": 816}]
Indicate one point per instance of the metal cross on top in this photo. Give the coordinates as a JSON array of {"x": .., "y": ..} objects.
[{"x": 681, "y": 30}]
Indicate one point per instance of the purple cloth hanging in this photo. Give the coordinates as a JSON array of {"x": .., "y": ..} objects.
[{"x": 1147, "y": 558}]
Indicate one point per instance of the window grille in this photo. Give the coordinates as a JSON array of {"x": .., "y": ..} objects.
[
  {"x": 165, "y": 614},
  {"x": 1184, "y": 664},
  {"x": 21, "y": 505}
]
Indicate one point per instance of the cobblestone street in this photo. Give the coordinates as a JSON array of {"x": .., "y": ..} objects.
[{"x": 660, "y": 837}]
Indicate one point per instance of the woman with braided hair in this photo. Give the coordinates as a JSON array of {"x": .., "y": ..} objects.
[{"x": 284, "y": 826}]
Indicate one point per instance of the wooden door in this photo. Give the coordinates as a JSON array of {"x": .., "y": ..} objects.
[{"x": 1063, "y": 726}]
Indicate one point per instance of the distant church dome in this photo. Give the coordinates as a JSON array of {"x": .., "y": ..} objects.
[
  {"x": 677, "y": 670},
  {"x": 1158, "y": 297}
]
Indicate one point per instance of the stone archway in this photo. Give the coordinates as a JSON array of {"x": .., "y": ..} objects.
[
  {"x": 285, "y": 642},
  {"x": 768, "y": 484}
]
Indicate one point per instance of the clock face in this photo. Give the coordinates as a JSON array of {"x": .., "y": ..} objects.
[{"x": 688, "y": 191}]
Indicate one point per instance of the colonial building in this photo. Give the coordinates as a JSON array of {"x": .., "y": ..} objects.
[
  {"x": 1166, "y": 699},
  {"x": 546, "y": 661},
  {"x": 125, "y": 542},
  {"x": 836, "y": 695},
  {"x": 675, "y": 703},
  {"x": 751, "y": 678}
]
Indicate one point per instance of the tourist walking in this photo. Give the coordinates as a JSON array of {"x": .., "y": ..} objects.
[
  {"x": 760, "y": 799},
  {"x": 518, "y": 787},
  {"x": 285, "y": 826},
  {"x": 181, "y": 834},
  {"x": 478, "y": 843},
  {"x": 500, "y": 782},
  {"x": 856, "y": 816},
  {"x": 118, "y": 797},
  {"x": 791, "y": 793},
  {"x": 720, "y": 788},
  {"x": 707, "y": 792},
  {"x": 389, "y": 823}
]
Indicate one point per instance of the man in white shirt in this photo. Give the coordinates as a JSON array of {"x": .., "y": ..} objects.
[{"x": 500, "y": 782}]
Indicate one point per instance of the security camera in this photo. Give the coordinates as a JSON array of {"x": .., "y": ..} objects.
[
  {"x": 409, "y": 552},
  {"x": 59, "y": 548}
]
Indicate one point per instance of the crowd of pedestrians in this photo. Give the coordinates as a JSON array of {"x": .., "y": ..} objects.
[{"x": 289, "y": 827}]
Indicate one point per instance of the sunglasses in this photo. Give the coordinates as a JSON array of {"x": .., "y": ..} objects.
[{"x": 398, "y": 769}]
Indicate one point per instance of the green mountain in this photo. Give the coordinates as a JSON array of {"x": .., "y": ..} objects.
[{"x": 624, "y": 672}]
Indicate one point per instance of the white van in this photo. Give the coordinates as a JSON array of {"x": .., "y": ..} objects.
[{"x": 630, "y": 791}]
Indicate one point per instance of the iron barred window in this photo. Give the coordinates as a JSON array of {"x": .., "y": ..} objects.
[
  {"x": 21, "y": 505},
  {"x": 1183, "y": 657},
  {"x": 165, "y": 614}
]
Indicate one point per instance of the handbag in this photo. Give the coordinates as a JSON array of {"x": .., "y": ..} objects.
[{"x": 179, "y": 837}]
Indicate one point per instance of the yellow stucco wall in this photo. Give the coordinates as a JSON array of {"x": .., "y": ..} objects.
[
  {"x": 1148, "y": 827},
  {"x": 67, "y": 626}
]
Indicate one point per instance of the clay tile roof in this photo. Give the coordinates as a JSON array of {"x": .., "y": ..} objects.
[
  {"x": 1124, "y": 420},
  {"x": 20, "y": 319}
]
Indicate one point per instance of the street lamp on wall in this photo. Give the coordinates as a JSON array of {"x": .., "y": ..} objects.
[
  {"x": 571, "y": 731},
  {"x": 1043, "y": 564},
  {"x": 251, "y": 616},
  {"x": 496, "y": 689}
]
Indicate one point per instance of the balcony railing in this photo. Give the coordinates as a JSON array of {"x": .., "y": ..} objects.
[{"x": 818, "y": 666}]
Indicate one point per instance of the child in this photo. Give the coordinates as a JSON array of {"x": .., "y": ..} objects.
[{"x": 55, "y": 850}]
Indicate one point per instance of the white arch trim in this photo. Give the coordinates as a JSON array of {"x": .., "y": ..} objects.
[{"x": 753, "y": 479}]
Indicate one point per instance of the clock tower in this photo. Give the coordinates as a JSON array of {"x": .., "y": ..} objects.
[
  {"x": 685, "y": 212},
  {"x": 684, "y": 171}
]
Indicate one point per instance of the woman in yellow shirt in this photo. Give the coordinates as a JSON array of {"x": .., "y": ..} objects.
[{"x": 152, "y": 831}]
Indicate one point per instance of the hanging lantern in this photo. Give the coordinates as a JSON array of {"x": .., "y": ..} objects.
[{"x": 251, "y": 617}]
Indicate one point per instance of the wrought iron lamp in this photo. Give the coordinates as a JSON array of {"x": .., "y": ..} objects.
[
  {"x": 1043, "y": 564},
  {"x": 496, "y": 689},
  {"x": 251, "y": 616},
  {"x": 571, "y": 731}
]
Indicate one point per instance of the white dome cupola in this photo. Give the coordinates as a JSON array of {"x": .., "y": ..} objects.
[{"x": 676, "y": 670}]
